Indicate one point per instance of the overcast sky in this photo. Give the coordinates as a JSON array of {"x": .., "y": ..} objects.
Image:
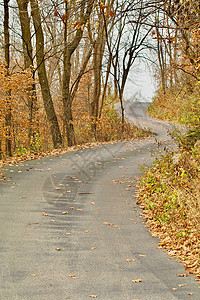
[{"x": 140, "y": 82}]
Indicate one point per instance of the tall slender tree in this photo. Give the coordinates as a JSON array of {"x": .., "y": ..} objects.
[
  {"x": 8, "y": 117},
  {"x": 45, "y": 89}
]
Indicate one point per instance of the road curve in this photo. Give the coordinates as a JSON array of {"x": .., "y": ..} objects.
[{"x": 70, "y": 227}]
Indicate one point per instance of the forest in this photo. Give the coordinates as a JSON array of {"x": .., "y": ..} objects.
[
  {"x": 63, "y": 66},
  {"x": 64, "y": 63}
]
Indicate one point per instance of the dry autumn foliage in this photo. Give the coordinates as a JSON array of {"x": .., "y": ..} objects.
[
  {"x": 14, "y": 97},
  {"x": 169, "y": 195},
  {"x": 39, "y": 144}
]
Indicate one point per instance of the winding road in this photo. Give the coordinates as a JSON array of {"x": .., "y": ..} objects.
[{"x": 70, "y": 227}]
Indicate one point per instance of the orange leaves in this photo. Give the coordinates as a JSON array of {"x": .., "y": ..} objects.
[
  {"x": 72, "y": 276},
  {"x": 130, "y": 260},
  {"x": 103, "y": 6},
  {"x": 56, "y": 13},
  {"x": 109, "y": 13},
  {"x": 15, "y": 91},
  {"x": 44, "y": 214}
]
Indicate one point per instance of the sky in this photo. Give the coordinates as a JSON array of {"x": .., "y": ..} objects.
[{"x": 140, "y": 84}]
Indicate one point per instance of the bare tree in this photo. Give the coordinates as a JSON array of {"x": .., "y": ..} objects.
[
  {"x": 85, "y": 8},
  {"x": 127, "y": 42}
]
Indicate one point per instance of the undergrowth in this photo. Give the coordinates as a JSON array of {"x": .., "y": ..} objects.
[
  {"x": 179, "y": 105},
  {"x": 169, "y": 194},
  {"x": 108, "y": 129}
]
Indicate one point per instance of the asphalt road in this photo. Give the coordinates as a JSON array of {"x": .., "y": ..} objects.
[{"x": 70, "y": 227}]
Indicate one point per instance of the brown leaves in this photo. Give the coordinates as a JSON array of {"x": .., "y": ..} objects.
[
  {"x": 171, "y": 208},
  {"x": 181, "y": 285},
  {"x": 64, "y": 17},
  {"x": 72, "y": 276},
  {"x": 93, "y": 296},
  {"x": 109, "y": 13},
  {"x": 182, "y": 275},
  {"x": 137, "y": 280}
]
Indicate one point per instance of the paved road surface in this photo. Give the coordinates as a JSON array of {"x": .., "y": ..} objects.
[{"x": 69, "y": 223}]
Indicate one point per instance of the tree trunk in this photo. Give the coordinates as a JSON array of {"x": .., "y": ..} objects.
[
  {"x": 66, "y": 96},
  {"x": 97, "y": 67},
  {"x": 122, "y": 109},
  {"x": 46, "y": 95},
  {"x": 8, "y": 116},
  {"x": 69, "y": 48},
  {"x": 105, "y": 85},
  {"x": 161, "y": 60},
  {"x": 67, "y": 100},
  {"x": 28, "y": 59}
]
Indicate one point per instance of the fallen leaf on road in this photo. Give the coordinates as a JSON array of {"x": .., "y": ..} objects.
[
  {"x": 190, "y": 294},
  {"x": 142, "y": 255},
  {"x": 68, "y": 233},
  {"x": 33, "y": 275},
  {"x": 182, "y": 275},
  {"x": 53, "y": 220},
  {"x": 93, "y": 296},
  {"x": 44, "y": 214},
  {"x": 57, "y": 249},
  {"x": 130, "y": 260},
  {"x": 93, "y": 248},
  {"x": 92, "y": 203},
  {"x": 79, "y": 209},
  {"x": 72, "y": 276},
  {"x": 174, "y": 289},
  {"x": 64, "y": 212},
  {"x": 137, "y": 280},
  {"x": 87, "y": 231},
  {"x": 107, "y": 223},
  {"x": 181, "y": 285}
]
